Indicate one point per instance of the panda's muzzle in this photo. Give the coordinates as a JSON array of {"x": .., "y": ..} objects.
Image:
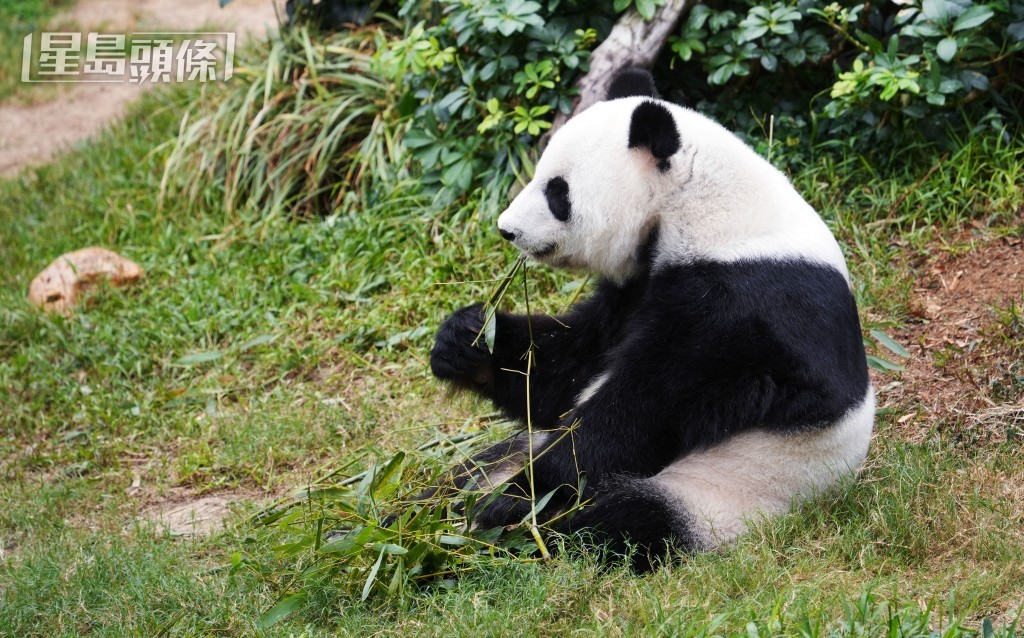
[{"x": 512, "y": 236}]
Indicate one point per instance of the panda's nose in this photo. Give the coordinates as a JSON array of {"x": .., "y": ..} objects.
[{"x": 507, "y": 234}]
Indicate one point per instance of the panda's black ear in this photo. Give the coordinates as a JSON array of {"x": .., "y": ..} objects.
[
  {"x": 652, "y": 127},
  {"x": 632, "y": 82}
]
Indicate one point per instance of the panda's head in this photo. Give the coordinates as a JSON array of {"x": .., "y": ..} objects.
[{"x": 601, "y": 182}]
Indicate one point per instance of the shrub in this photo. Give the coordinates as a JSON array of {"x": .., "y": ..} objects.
[
  {"x": 454, "y": 94},
  {"x": 483, "y": 82},
  {"x": 857, "y": 72}
]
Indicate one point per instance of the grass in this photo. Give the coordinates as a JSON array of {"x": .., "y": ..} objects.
[
  {"x": 18, "y": 18},
  {"x": 325, "y": 97},
  {"x": 262, "y": 353}
]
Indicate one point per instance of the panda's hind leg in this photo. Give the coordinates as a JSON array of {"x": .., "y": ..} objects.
[{"x": 634, "y": 518}]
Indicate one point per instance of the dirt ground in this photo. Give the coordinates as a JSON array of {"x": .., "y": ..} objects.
[
  {"x": 186, "y": 514},
  {"x": 966, "y": 369},
  {"x": 33, "y": 133}
]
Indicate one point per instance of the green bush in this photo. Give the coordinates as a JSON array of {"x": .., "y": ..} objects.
[
  {"x": 452, "y": 96},
  {"x": 862, "y": 73},
  {"x": 483, "y": 81}
]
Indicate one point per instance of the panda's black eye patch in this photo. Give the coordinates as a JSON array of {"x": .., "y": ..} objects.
[{"x": 557, "y": 193}]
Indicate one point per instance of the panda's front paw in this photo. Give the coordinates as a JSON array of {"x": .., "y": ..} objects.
[{"x": 455, "y": 358}]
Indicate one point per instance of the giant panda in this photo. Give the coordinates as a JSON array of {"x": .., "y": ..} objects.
[{"x": 716, "y": 375}]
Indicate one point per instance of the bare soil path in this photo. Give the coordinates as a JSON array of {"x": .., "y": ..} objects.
[{"x": 34, "y": 133}]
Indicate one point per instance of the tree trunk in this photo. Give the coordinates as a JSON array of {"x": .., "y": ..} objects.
[{"x": 632, "y": 42}]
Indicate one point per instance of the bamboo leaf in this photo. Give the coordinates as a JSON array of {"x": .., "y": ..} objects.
[
  {"x": 540, "y": 505},
  {"x": 199, "y": 357},
  {"x": 490, "y": 330},
  {"x": 448, "y": 539},
  {"x": 883, "y": 365},
  {"x": 889, "y": 343},
  {"x": 283, "y": 608},
  {"x": 368, "y": 585}
]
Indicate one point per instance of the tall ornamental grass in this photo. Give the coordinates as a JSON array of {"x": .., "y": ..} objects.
[{"x": 304, "y": 128}]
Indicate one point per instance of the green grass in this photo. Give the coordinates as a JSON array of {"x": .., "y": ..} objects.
[
  {"x": 262, "y": 353},
  {"x": 18, "y": 18}
]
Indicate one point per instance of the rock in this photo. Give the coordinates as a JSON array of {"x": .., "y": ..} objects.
[{"x": 60, "y": 287}]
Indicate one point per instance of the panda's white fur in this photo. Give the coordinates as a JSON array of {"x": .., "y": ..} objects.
[
  {"x": 717, "y": 375},
  {"x": 757, "y": 474}
]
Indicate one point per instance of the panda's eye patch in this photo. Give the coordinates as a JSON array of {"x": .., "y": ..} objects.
[{"x": 557, "y": 193}]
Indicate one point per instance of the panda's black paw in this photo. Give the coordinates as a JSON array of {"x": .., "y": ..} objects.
[{"x": 455, "y": 358}]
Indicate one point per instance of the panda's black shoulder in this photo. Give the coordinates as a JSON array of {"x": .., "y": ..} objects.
[{"x": 788, "y": 298}]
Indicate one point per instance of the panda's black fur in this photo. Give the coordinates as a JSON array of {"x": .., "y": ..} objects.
[{"x": 674, "y": 361}]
